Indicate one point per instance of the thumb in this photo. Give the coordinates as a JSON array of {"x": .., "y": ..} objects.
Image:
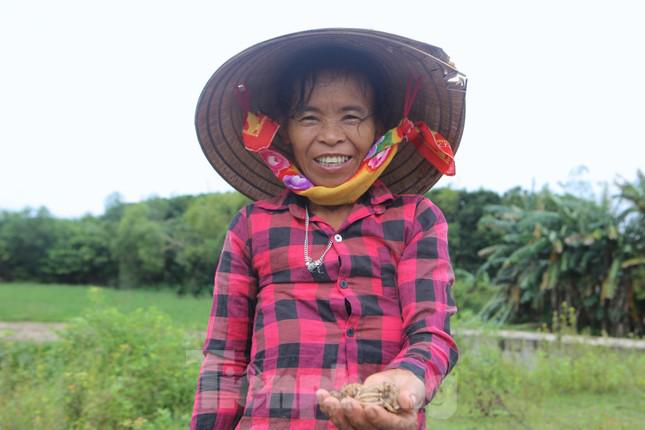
[{"x": 408, "y": 401}]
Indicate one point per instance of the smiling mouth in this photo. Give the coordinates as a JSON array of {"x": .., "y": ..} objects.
[{"x": 332, "y": 160}]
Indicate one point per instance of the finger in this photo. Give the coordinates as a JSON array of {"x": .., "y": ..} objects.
[
  {"x": 355, "y": 414},
  {"x": 408, "y": 401},
  {"x": 340, "y": 420},
  {"x": 321, "y": 392},
  {"x": 332, "y": 407},
  {"x": 321, "y": 395},
  {"x": 327, "y": 402}
]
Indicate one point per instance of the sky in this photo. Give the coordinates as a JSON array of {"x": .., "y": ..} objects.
[{"x": 98, "y": 97}]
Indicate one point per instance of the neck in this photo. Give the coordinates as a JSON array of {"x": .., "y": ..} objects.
[{"x": 332, "y": 215}]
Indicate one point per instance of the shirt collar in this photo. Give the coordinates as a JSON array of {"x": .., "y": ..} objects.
[{"x": 376, "y": 197}]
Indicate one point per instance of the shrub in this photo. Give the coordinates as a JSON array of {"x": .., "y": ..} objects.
[
  {"x": 109, "y": 370},
  {"x": 486, "y": 380},
  {"x": 494, "y": 382}
]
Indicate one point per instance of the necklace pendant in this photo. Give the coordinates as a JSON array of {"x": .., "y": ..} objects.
[
  {"x": 310, "y": 264},
  {"x": 313, "y": 267}
]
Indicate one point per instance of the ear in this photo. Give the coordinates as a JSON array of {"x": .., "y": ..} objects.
[
  {"x": 283, "y": 143},
  {"x": 283, "y": 135},
  {"x": 379, "y": 129}
]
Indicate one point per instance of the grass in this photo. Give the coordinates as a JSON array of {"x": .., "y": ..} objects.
[
  {"x": 23, "y": 301},
  {"x": 109, "y": 370},
  {"x": 60, "y": 303},
  {"x": 576, "y": 388},
  {"x": 560, "y": 387},
  {"x": 612, "y": 411}
]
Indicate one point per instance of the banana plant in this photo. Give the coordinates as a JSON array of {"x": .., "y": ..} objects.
[{"x": 562, "y": 248}]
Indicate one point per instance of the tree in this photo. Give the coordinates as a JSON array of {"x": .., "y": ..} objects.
[
  {"x": 203, "y": 228},
  {"x": 25, "y": 237},
  {"x": 556, "y": 249},
  {"x": 139, "y": 247},
  {"x": 632, "y": 195},
  {"x": 463, "y": 210},
  {"x": 81, "y": 253}
]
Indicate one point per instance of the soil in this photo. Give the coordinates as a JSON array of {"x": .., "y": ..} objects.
[
  {"x": 30, "y": 331},
  {"x": 46, "y": 331}
]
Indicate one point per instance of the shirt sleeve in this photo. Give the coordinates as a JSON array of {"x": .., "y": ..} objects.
[
  {"x": 221, "y": 388},
  {"x": 424, "y": 279}
]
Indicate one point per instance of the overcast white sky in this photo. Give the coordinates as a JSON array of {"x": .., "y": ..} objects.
[{"x": 99, "y": 96}]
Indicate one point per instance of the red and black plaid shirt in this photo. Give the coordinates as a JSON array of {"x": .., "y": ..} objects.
[{"x": 278, "y": 332}]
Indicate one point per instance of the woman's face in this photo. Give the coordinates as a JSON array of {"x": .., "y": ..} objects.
[{"x": 333, "y": 131}]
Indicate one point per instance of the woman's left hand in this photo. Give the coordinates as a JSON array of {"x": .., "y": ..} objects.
[{"x": 349, "y": 414}]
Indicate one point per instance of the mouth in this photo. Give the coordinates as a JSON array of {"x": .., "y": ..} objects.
[{"x": 332, "y": 160}]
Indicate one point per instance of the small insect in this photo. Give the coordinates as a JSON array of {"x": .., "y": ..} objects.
[{"x": 384, "y": 395}]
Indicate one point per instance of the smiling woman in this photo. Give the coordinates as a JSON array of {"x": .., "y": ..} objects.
[{"x": 331, "y": 279}]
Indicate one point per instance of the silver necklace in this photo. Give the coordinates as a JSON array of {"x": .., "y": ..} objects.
[{"x": 310, "y": 264}]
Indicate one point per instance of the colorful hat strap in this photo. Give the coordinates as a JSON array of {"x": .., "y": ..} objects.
[{"x": 259, "y": 131}]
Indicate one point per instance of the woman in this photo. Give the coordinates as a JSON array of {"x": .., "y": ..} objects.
[{"x": 335, "y": 279}]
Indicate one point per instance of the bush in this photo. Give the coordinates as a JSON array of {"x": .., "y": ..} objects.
[
  {"x": 25, "y": 237},
  {"x": 112, "y": 370},
  {"x": 81, "y": 253},
  {"x": 27, "y": 400},
  {"x": 486, "y": 381},
  {"x": 493, "y": 382},
  {"x": 471, "y": 292},
  {"x": 584, "y": 370},
  {"x": 109, "y": 370}
]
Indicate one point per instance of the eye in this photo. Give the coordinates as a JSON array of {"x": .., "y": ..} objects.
[
  {"x": 352, "y": 119},
  {"x": 308, "y": 119}
]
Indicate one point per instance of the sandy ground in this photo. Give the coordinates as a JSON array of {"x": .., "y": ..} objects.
[
  {"x": 31, "y": 331},
  {"x": 44, "y": 332}
]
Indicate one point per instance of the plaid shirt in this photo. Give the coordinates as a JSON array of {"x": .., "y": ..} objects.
[{"x": 277, "y": 332}]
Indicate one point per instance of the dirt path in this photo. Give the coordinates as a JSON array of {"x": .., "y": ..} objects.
[
  {"x": 32, "y": 331},
  {"x": 44, "y": 332}
]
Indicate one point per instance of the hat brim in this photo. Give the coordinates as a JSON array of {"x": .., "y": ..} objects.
[{"x": 219, "y": 118}]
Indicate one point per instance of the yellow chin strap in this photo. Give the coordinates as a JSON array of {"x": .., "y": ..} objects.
[
  {"x": 259, "y": 132},
  {"x": 349, "y": 191}
]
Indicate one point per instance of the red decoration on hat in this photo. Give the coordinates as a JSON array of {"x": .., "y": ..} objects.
[
  {"x": 258, "y": 132},
  {"x": 430, "y": 144},
  {"x": 434, "y": 148}
]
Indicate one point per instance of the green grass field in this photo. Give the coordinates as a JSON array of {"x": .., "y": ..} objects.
[
  {"x": 613, "y": 411},
  {"x": 59, "y": 303}
]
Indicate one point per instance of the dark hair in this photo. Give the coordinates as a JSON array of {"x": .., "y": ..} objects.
[{"x": 299, "y": 76}]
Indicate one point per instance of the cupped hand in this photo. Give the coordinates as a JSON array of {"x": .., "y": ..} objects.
[{"x": 349, "y": 414}]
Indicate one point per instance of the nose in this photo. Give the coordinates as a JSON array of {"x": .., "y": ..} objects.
[{"x": 331, "y": 133}]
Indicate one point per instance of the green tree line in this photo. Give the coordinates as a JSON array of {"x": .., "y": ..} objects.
[
  {"x": 520, "y": 256},
  {"x": 172, "y": 242}
]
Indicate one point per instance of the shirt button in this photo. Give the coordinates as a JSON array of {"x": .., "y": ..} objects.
[
  {"x": 350, "y": 332},
  {"x": 343, "y": 284},
  {"x": 338, "y": 238}
]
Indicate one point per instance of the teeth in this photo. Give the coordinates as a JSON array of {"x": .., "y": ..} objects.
[{"x": 332, "y": 160}]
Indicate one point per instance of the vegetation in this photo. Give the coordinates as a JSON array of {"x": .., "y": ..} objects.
[
  {"x": 137, "y": 370},
  {"x": 463, "y": 210},
  {"x": 519, "y": 256},
  {"x": 172, "y": 242},
  {"x": 62, "y": 303},
  {"x": 567, "y": 262},
  {"x": 110, "y": 370},
  {"x": 565, "y": 249}
]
